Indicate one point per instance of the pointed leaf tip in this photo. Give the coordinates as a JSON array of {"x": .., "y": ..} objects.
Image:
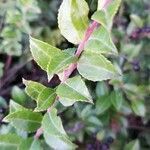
[
  {"x": 24, "y": 81},
  {"x": 73, "y": 90},
  {"x": 50, "y": 58},
  {"x": 72, "y": 20}
]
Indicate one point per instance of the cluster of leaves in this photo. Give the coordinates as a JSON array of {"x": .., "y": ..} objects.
[
  {"x": 18, "y": 19},
  {"x": 16, "y": 16},
  {"x": 114, "y": 100}
]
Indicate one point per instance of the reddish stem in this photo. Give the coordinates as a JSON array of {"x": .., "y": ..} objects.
[
  {"x": 80, "y": 48},
  {"x": 38, "y": 133},
  {"x": 88, "y": 33}
]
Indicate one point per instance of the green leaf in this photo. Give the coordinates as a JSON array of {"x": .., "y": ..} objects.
[
  {"x": 103, "y": 103},
  {"x": 116, "y": 99},
  {"x": 105, "y": 16},
  {"x": 45, "y": 99},
  {"x": 72, "y": 20},
  {"x": 54, "y": 132},
  {"x": 100, "y": 16},
  {"x": 25, "y": 120},
  {"x": 18, "y": 95},
  {"x": 43, "y": 95},
  {"x": 33, "y": 89},
  {"x": 133, "y": 145},
  {"x": 138, "y": 107},
  {"x": 9, "y": 141},
  {"x": 70, "y": 51},
  {"x": 96, "y": 67},
  {"x": 49, "y": 58},
  {"x": 13, "y": 106},
  {"x": 100, "y": 42},
  {"x": 30, "y": 144},
  {"x": 113, "y": 8},
  {"x": 73, "y": 90},
  {"x": 137, "y": 20}
]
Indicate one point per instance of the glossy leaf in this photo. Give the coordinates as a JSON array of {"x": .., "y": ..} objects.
[
  {"x": 100, "y": 42},
  {"x": 54, "y": 133},
  {"x": 43, "y": 95},
  {"x": 133, "y": 145},
  {"x": 105, "y": 16},
  {"x": 73, "y": 90},
  {"x": 138, "y": 107},
  {"x": 30, "y": 144},
  {"x": 45, "y": 99},
  {"x": 49, "y": 58},
  {"x": 9, "y": 141},
  {"x": 103, "y": 103},
  {"x": 72, "y": 20},
  {"x": 96, "y": 67},
  {"x": 25, "y": 120}
]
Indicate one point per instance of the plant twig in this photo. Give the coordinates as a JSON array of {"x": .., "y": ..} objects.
[
  {"x": 38, "y": 133},
  {"x": 81, "y": 46},
  {"x": 80, "y": 49},
  {"x": 71, "y": 68}
]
